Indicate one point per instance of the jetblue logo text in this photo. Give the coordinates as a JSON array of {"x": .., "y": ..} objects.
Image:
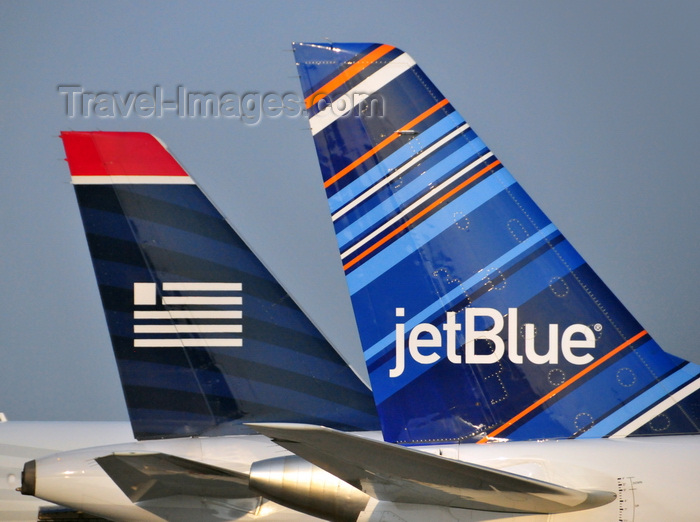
[{"x": 428, "y": 343}]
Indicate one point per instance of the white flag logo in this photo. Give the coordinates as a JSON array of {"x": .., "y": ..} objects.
[{"x": 208, "y": 314}]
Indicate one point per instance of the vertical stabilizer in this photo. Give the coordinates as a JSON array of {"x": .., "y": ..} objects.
[
  {"x": 204, "y": 337},
  {"x": 478, "y": 319}
]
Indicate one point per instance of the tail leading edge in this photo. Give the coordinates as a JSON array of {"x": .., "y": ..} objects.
[
  {"x": 478, "y": 319},
  {"x": 204, "y": 337}
]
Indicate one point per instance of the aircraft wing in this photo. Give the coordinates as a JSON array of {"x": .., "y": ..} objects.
[
  {"x": 147, "y": 476},
  {"x": 399, "y": 474}
]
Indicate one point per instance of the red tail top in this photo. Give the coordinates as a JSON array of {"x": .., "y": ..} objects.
[{"x": 120, "y": 157}]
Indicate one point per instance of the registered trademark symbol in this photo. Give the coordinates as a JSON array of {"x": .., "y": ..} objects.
[{"x": 598, "y": 327}]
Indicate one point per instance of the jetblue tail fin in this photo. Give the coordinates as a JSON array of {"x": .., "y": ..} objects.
[
  {"x": 478, "y": 319},
  {"x": 204, "y": 337}
]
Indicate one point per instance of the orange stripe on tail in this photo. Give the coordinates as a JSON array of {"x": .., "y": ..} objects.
[
  {"x": 564, "y": 385},
  {"x": 348, "y": 73},
  {"x": 384, "y": 143},
  {"x": 423, "y": 212}
]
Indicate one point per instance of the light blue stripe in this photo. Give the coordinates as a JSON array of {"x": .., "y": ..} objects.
[
  {"x": 407, "y": 193},
  {"x": 444, "y": 302},
  {"x": 369, "y": 178},
  {"x": 599, "y": 394},
  {"x": 647, "y": 399},
  {"x": 427, "y": 230},
  {"x": 383, "y": 388}
]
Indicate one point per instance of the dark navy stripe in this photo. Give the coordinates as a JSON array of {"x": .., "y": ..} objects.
[
  {"x": 319, "y": 70},
  {"x": 217, "y": 384},
  {"x": 366, "y": 178},
  {"x": 638, "y": 406},
  {"x": 149, "y": 397},
  {"x": 681, "y": 418},
  {"x": 412, "y": 185},
  {"x": 387, "y": 212},
  {"x": 184, "y": 266},
  {"x": 354, "y": 81},
  {"x": 176, "y": 240},
  {"x": 354, "y": 135},
  {"x": 595, "y": 398},
  {"x": 127, "y": 200}
]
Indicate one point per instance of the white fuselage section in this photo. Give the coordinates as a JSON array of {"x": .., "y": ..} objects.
[{"x": 654, "y": 478}]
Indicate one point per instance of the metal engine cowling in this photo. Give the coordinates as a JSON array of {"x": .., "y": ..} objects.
[{"x": 295, "y": 483}]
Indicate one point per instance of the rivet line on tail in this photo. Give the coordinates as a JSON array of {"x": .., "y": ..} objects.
[
  {"x": 348, "y": 73},
  {"x": 422, "y": 213},
  {"x": 563, "y": 386},
  {"x": 384, "y": 143}
]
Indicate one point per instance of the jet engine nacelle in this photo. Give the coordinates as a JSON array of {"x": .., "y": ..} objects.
[
  {"x": 74, "y": 480},
  {"x": 295, "y": 483}
]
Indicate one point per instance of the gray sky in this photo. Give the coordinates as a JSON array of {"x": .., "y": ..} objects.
[{"x": 593, "y": 106}]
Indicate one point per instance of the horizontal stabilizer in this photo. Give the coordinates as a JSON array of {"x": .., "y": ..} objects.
[
  {"x": 147, "y": 476},
  {"x": 398, "y": 474}
]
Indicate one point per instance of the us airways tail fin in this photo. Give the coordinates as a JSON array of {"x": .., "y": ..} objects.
[
  {"x": 204, "y": 336},
  {"x": 478, "y": 319}
]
